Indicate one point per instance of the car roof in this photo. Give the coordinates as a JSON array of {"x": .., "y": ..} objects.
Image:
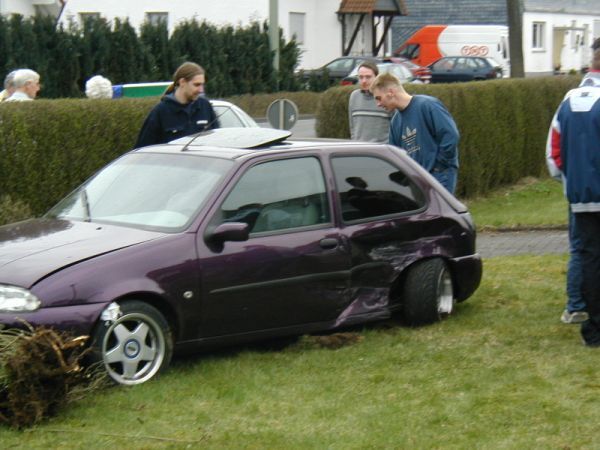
[{"x": 233, "y": 143}]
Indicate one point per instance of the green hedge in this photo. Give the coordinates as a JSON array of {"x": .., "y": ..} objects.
[
  {"x": 50, "y": 146},
  {"x": 503, "y": 125}
]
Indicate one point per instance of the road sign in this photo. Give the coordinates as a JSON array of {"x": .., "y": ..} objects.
[{"x": 282, "y": 114}]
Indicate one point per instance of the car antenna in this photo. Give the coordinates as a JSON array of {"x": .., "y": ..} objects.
[{"x": 206, "y": 128}]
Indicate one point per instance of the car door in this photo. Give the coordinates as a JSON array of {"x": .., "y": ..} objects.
[
  {"x": 381, "y": 211},
  {"x": 293, "y": 269}
]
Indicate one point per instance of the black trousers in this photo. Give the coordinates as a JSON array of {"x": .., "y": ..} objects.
[{"x": 589, "y": 229}]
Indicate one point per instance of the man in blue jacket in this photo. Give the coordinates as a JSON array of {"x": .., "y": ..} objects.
[
  {"x": 182, "y": 110},
  {"x": 575, "y": 151},
  {"x": 422, "y": 126}
]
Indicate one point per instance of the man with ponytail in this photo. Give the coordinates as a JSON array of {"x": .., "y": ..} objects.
[{"x": 182, "y": 110}]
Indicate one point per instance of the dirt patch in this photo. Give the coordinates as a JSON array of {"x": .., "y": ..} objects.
[{"x": 335, "y": 340}]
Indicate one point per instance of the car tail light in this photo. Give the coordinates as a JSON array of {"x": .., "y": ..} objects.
[{"x": 346, "y": 83}]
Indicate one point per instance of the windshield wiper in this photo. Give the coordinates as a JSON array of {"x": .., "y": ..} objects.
[{"x": 87, "y": 217}]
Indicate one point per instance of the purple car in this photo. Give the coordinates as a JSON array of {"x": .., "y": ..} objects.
[{"x": 236, "y": 235}]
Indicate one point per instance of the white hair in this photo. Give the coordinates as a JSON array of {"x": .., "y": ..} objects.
[
  {"x": 24, "y": 76},
  {"x": 98, "y": 87},
  {"x": 9, "y": 81}
]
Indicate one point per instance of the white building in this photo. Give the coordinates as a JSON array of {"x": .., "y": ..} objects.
[
  {"x": 557, "y": 34},
  {"x": 31, "y": 7},
  {"x": 313, "y": 22}
]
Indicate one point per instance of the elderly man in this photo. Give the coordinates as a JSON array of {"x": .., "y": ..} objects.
[
  {"x": 368, "y": 122},
  {"x": 27, "y": 85},
  {"x": 422, "y": 126}
]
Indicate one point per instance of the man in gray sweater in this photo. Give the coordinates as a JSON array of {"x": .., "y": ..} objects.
[{"x": 368, "y": 122}]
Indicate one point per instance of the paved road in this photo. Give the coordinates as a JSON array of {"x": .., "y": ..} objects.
[
  {"x": 304, "y": 128},
  {"x": 522, "y": 242}
]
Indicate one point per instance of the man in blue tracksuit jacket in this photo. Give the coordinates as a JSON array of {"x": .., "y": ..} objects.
[
  {"x": 422, "y": 126},
  {"x": 182, "y": 111},
  {"x": 574, "y": 148}
]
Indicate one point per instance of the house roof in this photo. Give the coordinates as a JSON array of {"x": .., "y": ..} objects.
[
  {"x": 562, "y": 6},
  {"x": 378, "y": 7}
]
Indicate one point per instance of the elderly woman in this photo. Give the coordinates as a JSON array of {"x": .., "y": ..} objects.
[{"x": 27, "y": 85}]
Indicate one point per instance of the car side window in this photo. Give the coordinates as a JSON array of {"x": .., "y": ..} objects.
[
  {"x": 480, "y": 63},
  {"x": 341, "y": 64},
  {"x": 471, "y": 63},
  {"x": 371, "y": 187},
  {"x": 279, "y": 195},
  {"x": 444, "y": 64},
  {"x": 227, "y": 118}
]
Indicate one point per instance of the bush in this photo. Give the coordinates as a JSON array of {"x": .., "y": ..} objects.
[
  {"x": 49, "y": 147},
  {"x": 13, "y": 211},
  {"x": 503, "y": 125},
  {"x": 237, "y": 59}
]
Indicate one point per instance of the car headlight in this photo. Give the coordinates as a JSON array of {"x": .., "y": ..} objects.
[{"x": 16, "y": 299}]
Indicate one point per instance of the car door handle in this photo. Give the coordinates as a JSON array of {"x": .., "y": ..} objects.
[{"x": 328, "y": 243}]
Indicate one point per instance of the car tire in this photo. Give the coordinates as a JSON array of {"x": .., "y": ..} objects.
[
  {"x": 428, "y": 293},
  {"x": 135, "y": 345}
]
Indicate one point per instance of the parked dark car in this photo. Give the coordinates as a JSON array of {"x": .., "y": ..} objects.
[
  {"x": 464, "y": 68},
  {"x": 400, "y": 71},
  {"x": 236, "y": 235},
  {"x": 338, "y": 68}
]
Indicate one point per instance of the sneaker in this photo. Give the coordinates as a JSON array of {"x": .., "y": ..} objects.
[{"x": 574, "y": 317}]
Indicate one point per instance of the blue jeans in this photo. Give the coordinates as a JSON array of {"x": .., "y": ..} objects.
[
  {"x": 447, "y": 177},
  {"x": 574, "y": 268}
]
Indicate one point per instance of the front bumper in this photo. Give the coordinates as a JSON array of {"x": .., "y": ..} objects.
[{"x": 77, "y": 319}]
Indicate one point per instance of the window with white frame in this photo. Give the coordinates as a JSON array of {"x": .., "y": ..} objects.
[
  {"x": 297, "y": 22},
  {"x": 537, "y": 42},
  {"x": 155, "y": 18}
]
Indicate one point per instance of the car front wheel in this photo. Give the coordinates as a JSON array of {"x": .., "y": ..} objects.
[
  {"x": 134, "y": 344},
  {"x": 428, "y": 292}
]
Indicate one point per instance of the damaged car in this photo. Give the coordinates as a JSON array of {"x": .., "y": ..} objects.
[{"x": 236, "y": 235}]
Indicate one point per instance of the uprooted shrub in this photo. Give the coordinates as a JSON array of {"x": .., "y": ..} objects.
[{"x": 41, "y": 370}]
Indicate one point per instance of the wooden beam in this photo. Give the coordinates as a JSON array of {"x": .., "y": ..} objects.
[
  {"x": 354, "y": 34},
  {"x": 386, "y": 29}
]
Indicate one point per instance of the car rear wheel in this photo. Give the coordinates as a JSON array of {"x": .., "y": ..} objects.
[
  {"x": 134, "y": 343},
  {"x": 428, "y": 293}
]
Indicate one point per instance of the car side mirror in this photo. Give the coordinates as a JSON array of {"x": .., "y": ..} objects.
[{"x": 229, "y": 231}]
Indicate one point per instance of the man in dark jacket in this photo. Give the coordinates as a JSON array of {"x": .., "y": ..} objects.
[{"x": 182, "y": 110}]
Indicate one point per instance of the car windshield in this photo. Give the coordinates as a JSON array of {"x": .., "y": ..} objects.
[{"x": 145, "y": 190}]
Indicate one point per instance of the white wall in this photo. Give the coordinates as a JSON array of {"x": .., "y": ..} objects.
[
  {"x": 322, "y": 33},
  {"x": 16, "y": 7},
  {"x": 571, "y": 58}
]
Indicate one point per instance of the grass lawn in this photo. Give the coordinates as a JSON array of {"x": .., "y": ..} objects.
[
  {"x": 503, "y": 372},
  {"x": 531, "y": 203}
]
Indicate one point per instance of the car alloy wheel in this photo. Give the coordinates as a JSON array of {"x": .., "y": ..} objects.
[{"x": 135, "y": 345}]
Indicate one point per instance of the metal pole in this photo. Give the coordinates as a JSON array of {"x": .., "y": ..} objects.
[{"x": 274, "y": 32}]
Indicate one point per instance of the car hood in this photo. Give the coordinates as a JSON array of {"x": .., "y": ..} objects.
[{"x": 32, "y": 249}]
